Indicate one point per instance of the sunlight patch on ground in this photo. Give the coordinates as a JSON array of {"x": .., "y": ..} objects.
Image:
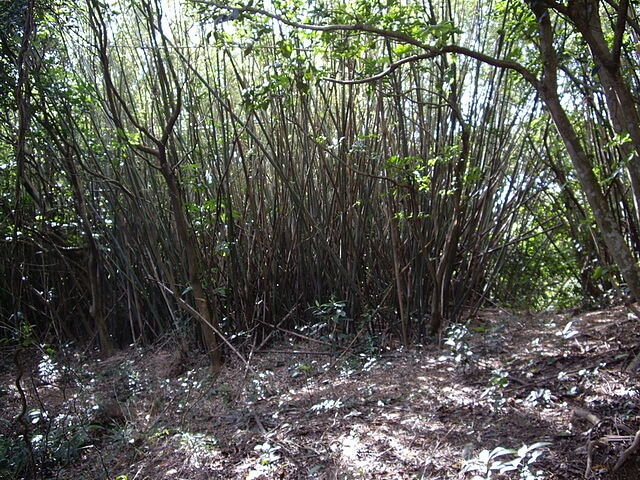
[
  {"x": 363, "y": 447},
  {"x": 404, "y": 418}
]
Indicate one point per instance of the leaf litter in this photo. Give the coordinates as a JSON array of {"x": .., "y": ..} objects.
[{"x": 505, "y": 396}]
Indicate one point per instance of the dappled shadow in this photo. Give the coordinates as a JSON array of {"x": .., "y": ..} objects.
[{"x": 527, "y": 379}]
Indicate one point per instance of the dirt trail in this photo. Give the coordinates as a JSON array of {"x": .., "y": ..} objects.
[{"x": 518, "y": 380}]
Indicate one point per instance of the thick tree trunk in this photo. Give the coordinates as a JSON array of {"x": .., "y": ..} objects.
[
  {"x": 604, "y": 217},
  {"x": 623, "y": 114},
  {"x": 548, "y": 89}
]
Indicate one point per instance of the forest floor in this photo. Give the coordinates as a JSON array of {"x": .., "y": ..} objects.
[{"x": 291, "y": 413}]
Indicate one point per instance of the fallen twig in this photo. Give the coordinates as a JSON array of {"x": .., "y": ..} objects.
[
  {"x": 628, "y": 452},
  {"x": 293, "y": 352}
]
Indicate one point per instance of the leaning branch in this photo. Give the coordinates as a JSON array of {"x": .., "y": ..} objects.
[
  {"x": 430, "y": 51},
  {"x": 618, "y": 34},
  {"x": 388, "y": 71},
  {"x": 356, "y": 27}
]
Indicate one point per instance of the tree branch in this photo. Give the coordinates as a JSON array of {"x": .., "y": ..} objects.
[
  {"x": 621, "y": 23},
  {"x": 430, "y": 51},
  {"x": 388, "y": 71},
  {"x": 356, "y": 27}
]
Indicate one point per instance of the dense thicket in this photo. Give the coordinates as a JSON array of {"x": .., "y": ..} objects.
[{"x": 169, "y": 167}]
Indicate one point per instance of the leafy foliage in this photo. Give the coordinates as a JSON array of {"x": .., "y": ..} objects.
[
  {"x": 416, "y": 198},
  {"x": 522, "y": 459}
]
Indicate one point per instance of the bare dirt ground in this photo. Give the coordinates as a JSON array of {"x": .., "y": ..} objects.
[{"x": 290, "y": 413}]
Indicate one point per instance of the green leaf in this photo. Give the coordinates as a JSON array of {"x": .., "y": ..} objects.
[
  {"x": 286, "y": 48},
  {"x": 500, "y": 452},
  {"x": 402, "y": 49}
]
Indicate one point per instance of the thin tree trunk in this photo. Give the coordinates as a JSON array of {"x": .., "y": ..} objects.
[
  {"x": 118, "y": 106},
  {"x": 191, "y": 253}
]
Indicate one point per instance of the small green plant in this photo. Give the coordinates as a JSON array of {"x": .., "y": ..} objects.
[
  {"x": 164, "y": 433},
  {"x": 334, "y": 318},
  {"x": 14, "y": 457},
  {"x": 457, "y": 338},
  {"x": 299, "y": 369},
  {"x": 539, "y": 396},
  {"x": 334, "y": 311},
  {"x": 259, "y": 386},
  {"x": 269, "y": 457},
  {"x": 567, "y": 332},
  {"x": 494, "y": 461},
  {"x": 268, "y": 453},
  {"x": 497, "y": 383}
]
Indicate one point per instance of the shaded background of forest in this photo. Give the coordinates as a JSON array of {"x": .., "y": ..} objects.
[{"x": 165, "y": 163}]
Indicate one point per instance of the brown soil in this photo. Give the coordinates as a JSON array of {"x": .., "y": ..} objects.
[{"x": 295, "y": 414}]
